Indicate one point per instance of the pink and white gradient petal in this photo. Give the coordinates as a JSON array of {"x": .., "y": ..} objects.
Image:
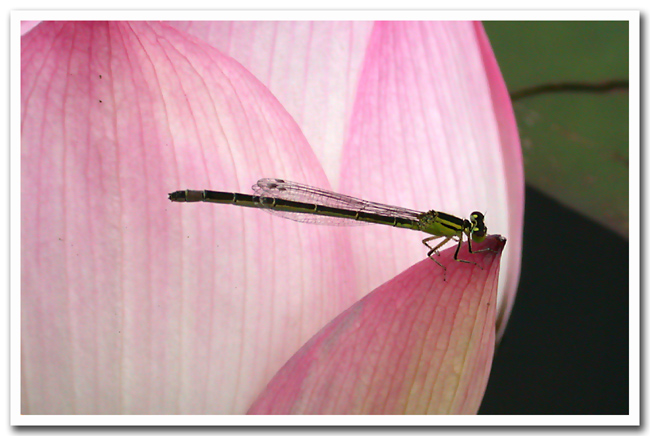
[
  {"x": 415, "y": 114},
  {"x": 412, "y": 346},
  {"x": 132, "y": 304}
]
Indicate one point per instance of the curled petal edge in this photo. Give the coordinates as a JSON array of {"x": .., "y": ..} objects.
[{"x": 418, "y": 344}]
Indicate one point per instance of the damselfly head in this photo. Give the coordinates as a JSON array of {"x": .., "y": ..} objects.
[{"x": 479, "y": 230}]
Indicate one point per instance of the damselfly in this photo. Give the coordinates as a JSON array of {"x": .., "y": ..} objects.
[{"x": 304, "y": 203}]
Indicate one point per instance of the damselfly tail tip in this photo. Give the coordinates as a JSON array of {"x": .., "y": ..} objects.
[
  {"x": 177, "y": 196},
  {"x": 187, "y": 195}
]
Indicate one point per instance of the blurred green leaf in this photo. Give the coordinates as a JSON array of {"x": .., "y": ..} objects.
[{"x": 575, "y": 141}]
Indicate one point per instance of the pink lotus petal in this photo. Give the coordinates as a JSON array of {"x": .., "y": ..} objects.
[
  {"x": 415, "y": 345},
  {"x": 132, "y": 304},
  {"x": 421, "y": 109},
  {"x": 26, "y": 26},
  {"x": 424, "y": 132},
  {"x": 135, "y": 305},
  {"x": 312, "y": 67}
]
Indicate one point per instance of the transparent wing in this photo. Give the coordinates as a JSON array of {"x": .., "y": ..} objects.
[{"x": 282, "y": 189}]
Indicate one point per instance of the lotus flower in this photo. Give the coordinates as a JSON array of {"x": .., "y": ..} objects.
[{"x": 135, "y": 305}]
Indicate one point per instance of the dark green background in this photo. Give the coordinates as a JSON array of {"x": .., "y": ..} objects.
[
  {"x": 575, "y": 144},
  {"x": 565, "y": 349}
]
